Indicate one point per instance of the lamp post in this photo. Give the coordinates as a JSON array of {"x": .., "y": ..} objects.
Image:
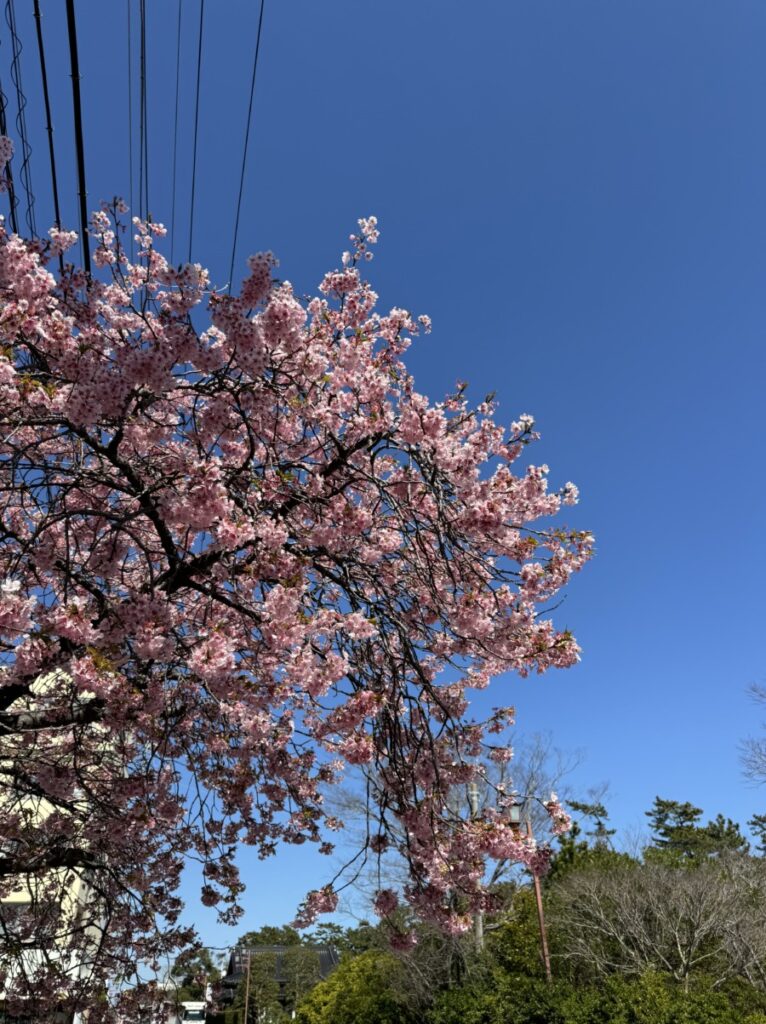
[
  {"x": 247, "y": 987},
  {"x": 514, "y": 820},
  {"x": 478, "y": 917},
  {"x": 514, "y": 812}
]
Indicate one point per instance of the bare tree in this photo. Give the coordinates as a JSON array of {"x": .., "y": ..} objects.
[
  {"x": 440, "y": 959},
  {"x": 709, "y": 919},
  {"x": 753, "y": 749},
  {"x": 537, "y": 768}
]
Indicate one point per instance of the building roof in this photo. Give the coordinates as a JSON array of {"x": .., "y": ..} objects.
[{"x": 328, "y": 961}]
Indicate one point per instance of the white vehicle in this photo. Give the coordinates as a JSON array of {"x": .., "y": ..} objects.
[
  {"x": 187, "y": 1011},
  {"x": 193, "y": 1011}
]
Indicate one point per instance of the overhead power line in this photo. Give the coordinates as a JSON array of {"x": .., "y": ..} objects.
[
  {"x": 12, "y": 197},
  {"x": 175, "y": 136},
  {"x": 25, "y": 171},
  {"x": 79, "y": 143},
  {"x": 130, "y": 120},
  {"x": 48, "y": 122},
  {"x": 247, "y": 139},
  {"x": 143, "y": 153},
  {"x": 196, "y": 129}
]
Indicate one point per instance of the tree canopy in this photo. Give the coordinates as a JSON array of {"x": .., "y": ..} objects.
[
  {"x": 678, "y": 836},
  {"x": 650, "y": 938},
  {"x": 236, "y": 557}
]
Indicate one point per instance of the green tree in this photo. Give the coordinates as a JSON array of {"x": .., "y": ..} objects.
[
  {"x": 648, "y": 999},
  {"x": 271, "y": 935},
  {"x": 299, "y": 973},
  {"x": 360, "y": 939},
  {"x": 600, "y": 835},
  {"x": 674, "y": 825},
  {"x": 261, "y": 991},
  {"x": 514, "y": 946},
  {"x": 678, "y": 837},
  {"x": 192, "y": 972},
  {"x": 576, "y": 853},
  {"x": 758, "y": 827},
  {"x": 366, "y": 989},
  {"x": 723, "y": 834}
]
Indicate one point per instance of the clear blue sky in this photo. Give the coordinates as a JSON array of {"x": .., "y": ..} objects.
[{"x": 574, "y": 191}]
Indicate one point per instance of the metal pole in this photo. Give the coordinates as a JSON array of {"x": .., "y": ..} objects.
[
  {"x": 478, "y": 917},
  {"x": 247, "y": 987},
  {"x": 541, "y": 920}
]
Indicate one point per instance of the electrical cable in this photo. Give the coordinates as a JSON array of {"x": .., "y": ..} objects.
[
  {"x": 247, "y": 139},
  {"x": 48, "y": 122},
  {"x": 141, "y": 84},
  {"x": 13, "y": 200},
  {"x": 79, "y": 142},
  {"x": 175, "y": 138},
  {"x": 196, "y": 128},
  {"x": 25, "y": 171},
  {"x": 143, "y": 174},
  {"x": 130, "y": 122}
]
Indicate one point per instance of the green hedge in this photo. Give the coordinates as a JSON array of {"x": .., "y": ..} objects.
[{"x": 651, "y": 999}]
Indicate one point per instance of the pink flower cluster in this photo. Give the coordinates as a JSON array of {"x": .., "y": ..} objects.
[
  {"x": 318, "y": 901},
  {"x": 251, "y": 553},
  {"x": 561, "y": 822}
]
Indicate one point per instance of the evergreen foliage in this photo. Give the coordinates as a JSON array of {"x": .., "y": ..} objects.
[
  {"x": 687, "y": 866},
  {"x": 366, "y": 988},
  {"x": 679, "y": 837}
]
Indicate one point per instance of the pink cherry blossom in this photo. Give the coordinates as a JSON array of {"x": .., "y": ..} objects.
[
  {"x": 561, "y": 821},
  {"x": 240, "y": 554}
]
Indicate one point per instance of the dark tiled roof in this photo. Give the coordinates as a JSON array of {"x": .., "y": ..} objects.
[{"x": 328, "y": 960}]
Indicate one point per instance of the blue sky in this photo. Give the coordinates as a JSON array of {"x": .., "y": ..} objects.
[{"x": 574, "y": 192}]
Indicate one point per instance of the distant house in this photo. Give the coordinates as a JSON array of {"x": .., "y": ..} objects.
[
  {"x": 291, "y": 970},
  {"x": 49, "y": 918}
]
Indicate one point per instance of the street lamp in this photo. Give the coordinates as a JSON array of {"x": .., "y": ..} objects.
[
  {"x": 514, "y": 812},
  {"x": 473, "y": 798},
  {"x": 478, "y": 917}
]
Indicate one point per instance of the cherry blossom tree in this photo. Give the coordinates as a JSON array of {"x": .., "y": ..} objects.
[{"x": 235, "y": 558}]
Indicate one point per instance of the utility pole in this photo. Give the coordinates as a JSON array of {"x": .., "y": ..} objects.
[
  {"x": 541, "y": 919},
  {"x": 515, "y": 810}
]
